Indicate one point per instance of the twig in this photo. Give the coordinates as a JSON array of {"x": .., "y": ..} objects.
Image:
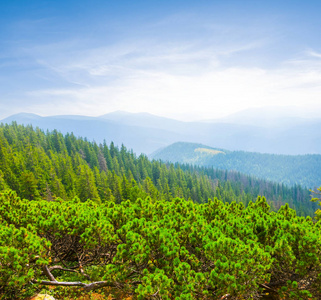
[
  {"x": 85, "y": 286},
  {"x": 267, "y": 287},
  {"x": 61, "y": 268},
  {"x": 48, "y": 274}
]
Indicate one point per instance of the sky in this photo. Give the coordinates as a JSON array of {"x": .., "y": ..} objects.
[{"x": 187, "y": 60}]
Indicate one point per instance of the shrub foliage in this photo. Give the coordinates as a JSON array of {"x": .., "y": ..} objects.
[
  {"x": 157, "y": 249},
  {"x": 75, "y": 215}
]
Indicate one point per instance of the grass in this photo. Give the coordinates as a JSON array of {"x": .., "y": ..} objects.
[{"x": 208, "y": 151}]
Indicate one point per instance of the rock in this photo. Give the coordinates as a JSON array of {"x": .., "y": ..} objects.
[{"x": 43, "y": 297}]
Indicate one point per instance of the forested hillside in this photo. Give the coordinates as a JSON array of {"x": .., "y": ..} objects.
[
  {"x": 291, "y": 170},
  {"x": 46, "y": 166},
  {"x": 77, "y": 217},
  {"x": 145, "y": 133}
]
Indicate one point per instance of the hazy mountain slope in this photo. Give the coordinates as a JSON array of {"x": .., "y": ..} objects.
[
  {"x": 40, "y": 165},
  {"x": 145, "y": 133},
  {"x": 140, "y": 139},
  {"x": 300, "y": 169},
  {"x": 145, "y": 120},
  {"x": 271, "y": 117}
]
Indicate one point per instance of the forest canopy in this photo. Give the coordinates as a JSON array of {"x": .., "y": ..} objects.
[
  {"x": 287, "y": 169},
  {"x": 40, "y": 165},
  {"x": 77, "y": 215}
]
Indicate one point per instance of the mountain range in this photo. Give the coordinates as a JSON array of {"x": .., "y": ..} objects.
[
  {"x": 256, "y": 130},
  {"x": 286, "y": 169}
]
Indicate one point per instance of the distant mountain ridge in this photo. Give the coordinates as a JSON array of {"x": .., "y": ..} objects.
[
  {"x": 140, "y": 139},
  {"x": 271, "y": 117},
  {"x": 145, "y": 133},
  {"x": 288, "y": 169}
]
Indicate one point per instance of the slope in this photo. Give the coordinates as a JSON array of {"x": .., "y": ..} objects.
[
  {"x": 49, "y": 166},
  {"x": 145, "y": 133},
  {"x": 291, "y": 170}
]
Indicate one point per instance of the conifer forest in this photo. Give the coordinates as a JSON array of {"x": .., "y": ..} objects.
[{"x": 79, "y": 218}]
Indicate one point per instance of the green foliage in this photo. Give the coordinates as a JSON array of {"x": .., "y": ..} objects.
[
  {"x": 94, "y": 216},
  {"x": 291, "y": 170},
  {"x": 22, "y": 250},
  {"x": 317, "y": 198},
  {"x": 157, "y": 249},
  {"x": 49, "y": 166}
]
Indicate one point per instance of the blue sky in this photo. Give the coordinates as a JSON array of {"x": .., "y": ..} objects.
[{"x": 183, "y": 59}]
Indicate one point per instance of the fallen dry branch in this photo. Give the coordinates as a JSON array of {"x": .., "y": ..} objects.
[{"x": 85, "y": 286}]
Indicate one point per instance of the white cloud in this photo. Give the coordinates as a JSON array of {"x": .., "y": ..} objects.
[
  {"x": 314, "y": 54},
  {"x": 175, "y": 80},
  {"x": 214, "y": 93}
]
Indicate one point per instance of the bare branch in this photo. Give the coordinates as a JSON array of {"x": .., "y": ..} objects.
[
  {"x": 59, "y": 283},
  {"x": 267, "y": 287},
  {"x": 97, "y": 285},
  {"x": 61, "y": 268},
  {"x": 85, "y": 286},
  {"x": 155, "y": 294},
  {"x": 83, "y": 273},
  {"x": 47, "y": 272}
]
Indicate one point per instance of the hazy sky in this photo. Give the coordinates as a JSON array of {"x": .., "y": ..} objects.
[{"x": 182, "y": 59}]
